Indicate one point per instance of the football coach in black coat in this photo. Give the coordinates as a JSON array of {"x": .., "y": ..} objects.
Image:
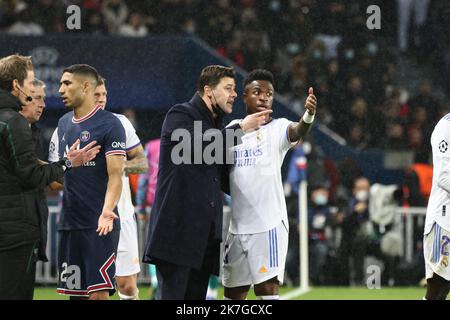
[
  {"x": 20, "y": 179},
  {"x": 186, "y": 218}
]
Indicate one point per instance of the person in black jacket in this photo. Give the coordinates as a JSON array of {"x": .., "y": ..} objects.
[
  {"x": 33, "y": 112},
  {"x": 21, "y": 176},
  {"x": 186, "y": 219}
]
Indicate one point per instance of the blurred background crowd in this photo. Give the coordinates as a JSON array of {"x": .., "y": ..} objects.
[
  {"x": 382, "y": 88},
  {"x": 377, "y": 88}
]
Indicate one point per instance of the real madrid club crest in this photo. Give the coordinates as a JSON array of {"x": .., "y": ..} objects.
[
  {"x": 443, "y": 146},
  {"x": 444, "y": 261}
]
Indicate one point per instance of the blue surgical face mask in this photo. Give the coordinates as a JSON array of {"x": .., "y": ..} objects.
[
  {"x": 320, "y": 199},
  {"x": 372, "y": 48},
  {"x": 275, "y": 5},
  {"x": 293, "y": 48},
  {"x": 349, "y": 54},
  {"x": 317, "y": 54},
  {"x": 362, "y": 195}
]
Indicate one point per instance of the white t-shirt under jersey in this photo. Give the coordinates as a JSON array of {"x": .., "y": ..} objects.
[
  {"x": 125, "y": 205},
  {"x": 439, "y": 203},
  {"x": 257, "y": 195}
]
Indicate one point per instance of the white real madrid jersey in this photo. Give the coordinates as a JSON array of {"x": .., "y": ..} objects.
[
  {"x": 257, "y": 195},
  {"x": 125, "y": 205},
  {"x": 439, "y": 203}
]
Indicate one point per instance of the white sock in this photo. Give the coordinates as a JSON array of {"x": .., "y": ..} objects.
[
  {"x": 226, "y": 298},
  {"x": 125, "y": 297},
  {"x": 424, "y": 298},
  {"x": 274, "y": 297},
  {"x": 211, "y": 294}
]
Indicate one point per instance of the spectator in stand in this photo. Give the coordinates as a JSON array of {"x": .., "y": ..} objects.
[
  {"x": 9, "y": 11},
  {"x": 418, "y": 9},
  {"x": 427, "y": 99},
  {"x": 396, "y": 136},
  {"x": 221, "y": 18},
  {"x": 359, "y": 110},
  {"x": 49, "y": 14},
  {"x": 232, "y": 50},
  {"x": 135, "y": 26},
  {"x": 318, "y": 214},
  {"x": 357, "y": 137},
  {"x": 354, "y": 230},
  {"x": 419, "y": 132},
  {"x": 296, "y": 173},
  {"x": 94, "y": 22},
  {"x": 417, "y": 188},
  {"x": 92, "y": 4},
  {"x": 115, "y": 13},
  {"x": 24, "y": 25},
  {"x": 147, "y": 181}
]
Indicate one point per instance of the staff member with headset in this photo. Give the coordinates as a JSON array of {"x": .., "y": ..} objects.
[
  {"x": 33, "y": 111},
  {"x": 21, "y": 176}
]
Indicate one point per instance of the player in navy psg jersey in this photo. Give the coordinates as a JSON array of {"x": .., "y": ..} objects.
[{"x": 88, "y": 226}]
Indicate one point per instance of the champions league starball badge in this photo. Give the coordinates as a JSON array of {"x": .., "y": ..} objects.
[
  {"x": 52, "y": 147},
  {"x": 443, "y": 146}
]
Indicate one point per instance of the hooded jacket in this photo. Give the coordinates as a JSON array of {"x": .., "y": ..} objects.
[{"x": 20, "y": 177}]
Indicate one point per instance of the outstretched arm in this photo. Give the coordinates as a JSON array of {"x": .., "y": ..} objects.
[
  {"x": 113, "y": 191},
  {"x": 299, "y": 130},
  {"x": 18, "y": 148}
]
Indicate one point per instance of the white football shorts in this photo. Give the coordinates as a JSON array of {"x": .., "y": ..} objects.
[
  {"x": 127, "y": 261},
  {"x": 251, "y": 259},
  {"x": 436, "y": 246}
]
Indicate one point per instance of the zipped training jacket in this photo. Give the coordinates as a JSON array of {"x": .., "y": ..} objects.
[{"x": 20, "y": 177}]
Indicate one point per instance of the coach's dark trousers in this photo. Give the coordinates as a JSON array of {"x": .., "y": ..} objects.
[
  {"x": 18, "y": 272},
  {"x": 177, "y": 282}
]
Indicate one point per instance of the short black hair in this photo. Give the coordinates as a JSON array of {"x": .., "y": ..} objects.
[
  {"x": 259, "y": 74},
  {"x": 211, "y": 76},
  {"x": 84, "y": 70}
]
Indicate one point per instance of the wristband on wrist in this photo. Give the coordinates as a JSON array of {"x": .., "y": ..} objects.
[{"x": 307, "y": 117}]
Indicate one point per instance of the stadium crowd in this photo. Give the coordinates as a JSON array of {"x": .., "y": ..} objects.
[
  {"x": 354, "y": 70},
  {"x": 305, "y": 44}
]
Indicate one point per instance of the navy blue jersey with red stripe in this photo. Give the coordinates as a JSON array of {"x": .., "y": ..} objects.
[{"x": 85, "y": 187}]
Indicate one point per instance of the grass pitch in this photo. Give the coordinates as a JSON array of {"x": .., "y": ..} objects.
[{"x": 316, "y": 293}]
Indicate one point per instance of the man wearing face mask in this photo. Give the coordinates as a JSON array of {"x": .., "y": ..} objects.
[
  {"x": 318, "y": 214},
  {"x": 186, "y": 218},
  {"x": 354, "y": 238}
]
